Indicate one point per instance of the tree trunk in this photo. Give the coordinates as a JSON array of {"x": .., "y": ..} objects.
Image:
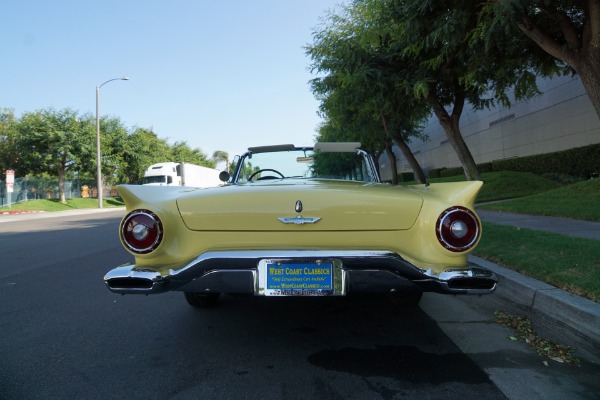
[
  {"x": 585, "y": 61},
  {"x": 376, "y": 155},
  {"x": 410, "y": 157},
  {"x": 589, "y": 71},
  {"x": 61, "y": 183},
  {"x": 450, "y": 124},
  {"x": 392, "y": 157},
  {"x": 406, "y": 152},
  {"x": 582, "y": 49}
]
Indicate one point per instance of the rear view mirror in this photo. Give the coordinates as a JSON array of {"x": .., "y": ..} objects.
[{"x": 224, "y": 176}]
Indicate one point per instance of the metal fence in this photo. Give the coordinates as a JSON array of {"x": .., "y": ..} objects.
[{"x": 26, "y": 189}]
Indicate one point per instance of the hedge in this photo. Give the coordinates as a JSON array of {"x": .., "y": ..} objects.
[
  {"x": 406, "y": 177},
  {"x": 582, "y": 162}
]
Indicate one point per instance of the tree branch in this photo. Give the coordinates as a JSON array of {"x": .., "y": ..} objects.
[
  {"x": 459, "y": 102},
  {"x": 546, "y": 42},
  {"x": 566, "y": 26},
  {"x": 438, "y": 110}
]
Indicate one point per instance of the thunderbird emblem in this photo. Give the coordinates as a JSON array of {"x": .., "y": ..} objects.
[
  {"x": 299, "y": 220},
  {"x": 298, "y": 206}
]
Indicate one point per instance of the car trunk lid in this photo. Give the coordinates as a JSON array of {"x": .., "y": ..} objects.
[{"x": 301, "y": 206}]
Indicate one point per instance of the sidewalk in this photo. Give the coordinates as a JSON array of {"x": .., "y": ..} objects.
[
  {"x": 23, "y": 216},
  {"x": 562, "y": 226},
  {"x": 555, "y": 314}
]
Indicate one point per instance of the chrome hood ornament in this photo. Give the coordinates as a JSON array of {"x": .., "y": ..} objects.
[{"x": 299, "y": 220}]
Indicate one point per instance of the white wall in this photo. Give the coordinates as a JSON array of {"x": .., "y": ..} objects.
[{"x": 562, "y": 117}]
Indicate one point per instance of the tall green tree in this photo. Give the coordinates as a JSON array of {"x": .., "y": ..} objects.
[
  {"x": 221, "y": 156},
  {"x": 182, "y": 152},
  {"x": 358, "y": 92},
  {"x": 113, "y": 140},
  {"x": 426, "y": 40},
  {"x": 348, "y": 121},
  {"x": 367, "y": 123},
  {"x": 416, "y": 49},
  {"x": 142, "y": 149},
  {"x": 430, "y": 51},
  {"x": 567, "y": 30},
  {"x": 49, "y": 141},
  {"x": 9, "y": 158}
]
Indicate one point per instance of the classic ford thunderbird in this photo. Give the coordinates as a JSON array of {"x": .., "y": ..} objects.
[{"x": 301, "y": 221}]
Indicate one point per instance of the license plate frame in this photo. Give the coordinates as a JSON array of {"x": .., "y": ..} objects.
[{"x": 301, "y": 277}]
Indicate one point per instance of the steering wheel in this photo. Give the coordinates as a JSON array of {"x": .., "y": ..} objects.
[{"x": 265, "y": 177}]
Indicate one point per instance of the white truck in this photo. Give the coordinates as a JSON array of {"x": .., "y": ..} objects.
[{"x": 181, "y": 174}]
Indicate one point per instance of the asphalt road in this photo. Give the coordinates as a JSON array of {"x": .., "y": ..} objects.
[{"x": 64, "y": 335}]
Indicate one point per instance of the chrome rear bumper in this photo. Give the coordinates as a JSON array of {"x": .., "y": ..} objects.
[{"x": 237, "y": 272}]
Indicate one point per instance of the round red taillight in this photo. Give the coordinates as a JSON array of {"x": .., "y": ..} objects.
[
  {"x": 141, "y": 231},
  {"x": 458, "y": 229}
]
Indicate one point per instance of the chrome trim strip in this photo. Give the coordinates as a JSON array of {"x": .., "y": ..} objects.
[
  {"x": 371, "y": 164},
  {"x": 199, "y": 272}
]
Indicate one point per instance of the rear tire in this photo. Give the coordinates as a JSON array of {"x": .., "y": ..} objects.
[{"x": 202, "y": 300}]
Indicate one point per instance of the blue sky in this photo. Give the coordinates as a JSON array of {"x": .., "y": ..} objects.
[{"x": 220, "y": 75}]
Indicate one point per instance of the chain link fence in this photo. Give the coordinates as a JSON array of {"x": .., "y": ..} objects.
[{"x": 27, "y": 189}]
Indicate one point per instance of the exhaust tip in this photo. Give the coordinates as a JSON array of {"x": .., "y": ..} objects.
[
  {"x": 129, "y": 283},
  {"x": 128, "y": 279}
]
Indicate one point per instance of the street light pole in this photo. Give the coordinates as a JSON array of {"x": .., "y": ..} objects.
[{"x": 98, "y": 153}]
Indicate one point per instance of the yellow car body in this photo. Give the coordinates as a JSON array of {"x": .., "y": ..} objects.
[{"x": 372, "y": 237}]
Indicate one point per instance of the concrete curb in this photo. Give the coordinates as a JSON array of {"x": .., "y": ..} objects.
[
  {"x": 15, "y": 212},
  {"x": 554, "y": 313}
]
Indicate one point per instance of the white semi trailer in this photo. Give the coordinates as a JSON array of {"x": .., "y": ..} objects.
[{"x": 181, "y": 174}]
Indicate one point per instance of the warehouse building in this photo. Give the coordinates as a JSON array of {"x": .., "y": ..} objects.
[{"x": 560, "y": 118}]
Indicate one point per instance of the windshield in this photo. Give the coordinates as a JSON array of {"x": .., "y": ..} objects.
[
  {"x": 153, "y": 179},
  {"x": 303, "y": 163}
]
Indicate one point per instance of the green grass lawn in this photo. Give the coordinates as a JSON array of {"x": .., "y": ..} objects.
[
  {"x": 509, "y": 185},
  {"x": 577, "y": 201},
  {"x": 571, "y": 264},
  {"x": 526, "y": 193},
  {"x": 505, "y": 185}
]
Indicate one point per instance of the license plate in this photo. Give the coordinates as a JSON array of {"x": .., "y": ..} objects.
[{"x": 300, "y": 278}]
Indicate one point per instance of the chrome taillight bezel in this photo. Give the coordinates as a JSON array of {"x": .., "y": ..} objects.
[
  {"x": 154, "y": 231},
  {"x": 458, "y": 229}
]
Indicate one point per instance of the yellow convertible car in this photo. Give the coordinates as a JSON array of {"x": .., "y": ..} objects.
[{"x": 301, "y": 221}]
